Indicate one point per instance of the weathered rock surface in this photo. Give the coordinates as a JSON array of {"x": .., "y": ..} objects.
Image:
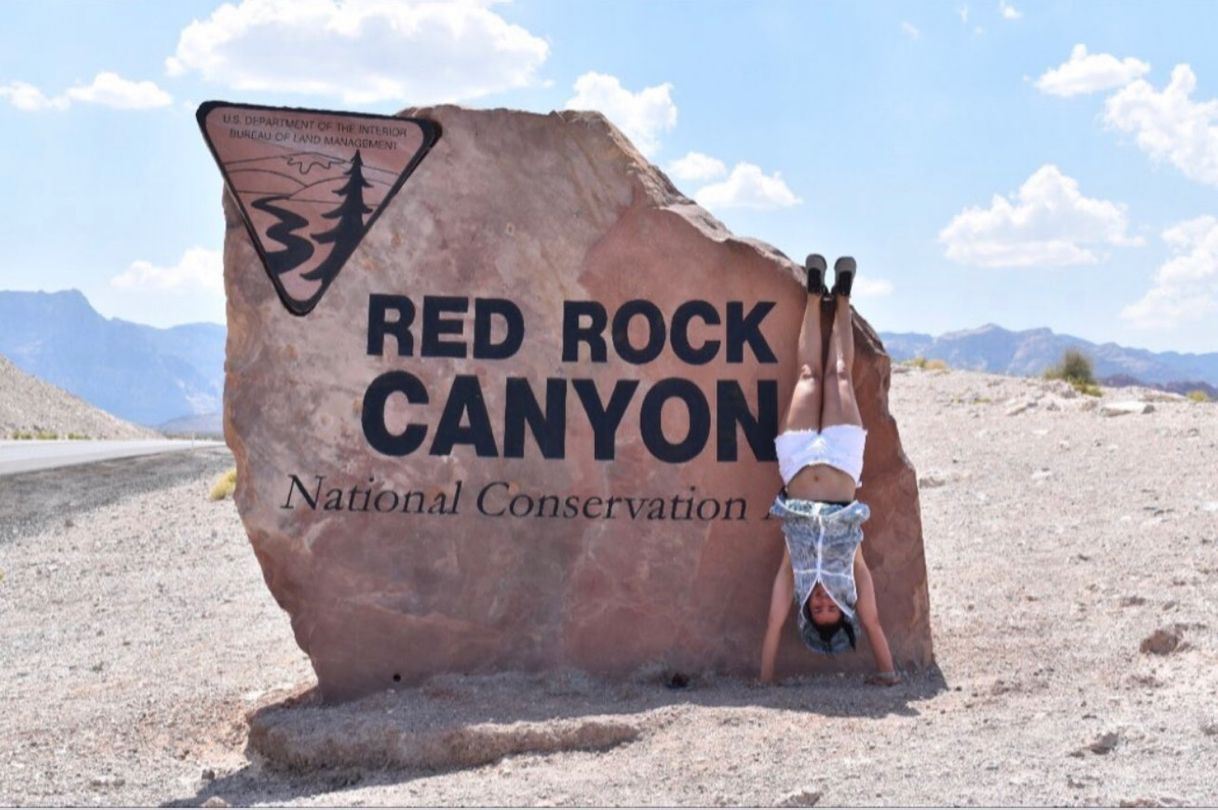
[
  {"x": 444, "y": 726},
  {"x": 537, "y": 209}
]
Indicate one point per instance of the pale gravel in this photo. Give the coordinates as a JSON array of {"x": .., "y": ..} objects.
[{"x": 136, "y": 632}]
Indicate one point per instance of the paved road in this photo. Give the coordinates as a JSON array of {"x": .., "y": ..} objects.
[{"x": 26, "y": 456}]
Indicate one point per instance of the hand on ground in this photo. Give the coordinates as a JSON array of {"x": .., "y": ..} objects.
[{"x": 883, "y": 679}]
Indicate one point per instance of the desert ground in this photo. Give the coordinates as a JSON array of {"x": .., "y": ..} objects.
[{"x": 1073, "y": 567}]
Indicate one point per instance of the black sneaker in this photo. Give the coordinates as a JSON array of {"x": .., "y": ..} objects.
[
  {"x": 815, "y": 265},
  {"x": 843, "y": 276}
]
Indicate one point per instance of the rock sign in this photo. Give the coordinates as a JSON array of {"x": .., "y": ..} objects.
[{"x": 530, "y": 423}]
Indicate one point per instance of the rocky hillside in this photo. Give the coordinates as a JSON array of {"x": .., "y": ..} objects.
[
  {"x": 31, "y": 408},
  {"x": 137, "y": 372}
]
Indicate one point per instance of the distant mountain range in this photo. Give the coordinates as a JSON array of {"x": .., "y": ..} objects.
[
  {"x": 173, "y": 379},
  {"x": 138, "y": 373},
  {"x": 205, "y": 424},
  {"x": 1030, "y": 352}
]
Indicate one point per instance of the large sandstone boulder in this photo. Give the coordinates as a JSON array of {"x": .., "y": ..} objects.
[{"x": 474, "y": 562}]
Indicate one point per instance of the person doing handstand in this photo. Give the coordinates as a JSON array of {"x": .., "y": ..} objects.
[{"x": 820, "y": 459}]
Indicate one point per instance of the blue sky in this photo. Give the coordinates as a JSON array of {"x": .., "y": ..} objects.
[{"x": 980, "y": 165}]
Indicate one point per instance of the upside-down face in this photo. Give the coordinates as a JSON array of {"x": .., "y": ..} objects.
[{"x": 821, "y": 607}]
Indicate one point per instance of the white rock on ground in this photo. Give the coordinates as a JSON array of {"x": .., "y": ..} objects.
[{"x": 1125, "y": 408}]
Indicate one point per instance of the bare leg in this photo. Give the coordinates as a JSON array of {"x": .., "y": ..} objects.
[
  {"x": 841, "y": 406},
  {"x": 803, "y": 412},
  {"x": 820, "y": 482}
]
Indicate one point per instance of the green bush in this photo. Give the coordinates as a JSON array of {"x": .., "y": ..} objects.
[
  {"x": 1090, "y": 389},
  {"x": 1198, "y": 396},
  {"x": 1075, "y": 368}
]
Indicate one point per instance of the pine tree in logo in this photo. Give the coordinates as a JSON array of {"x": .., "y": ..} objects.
[{"x": 349, "y": 229}]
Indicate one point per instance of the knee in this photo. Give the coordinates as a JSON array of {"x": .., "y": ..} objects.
[
  {"x": 810, "y": 376},
  {"x": 839, "y": 374}
]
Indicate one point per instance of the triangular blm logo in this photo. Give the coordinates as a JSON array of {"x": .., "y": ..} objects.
[{"x": 310, "y": 183}]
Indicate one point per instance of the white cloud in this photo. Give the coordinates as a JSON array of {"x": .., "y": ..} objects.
[
  {"x": 111, "y": 90},
  {"x": 1008, "y": 11},
  {"x": 362, "y": 51},
  {"x": 189, "y": 291},
  {"x": 910, "y": 30},
  {"x": 1186, "y": 286},
  {"x": 107, "y": 89},
  {"x": 28, "y": 98},
  {"x": 1089, "y": 73},
  {"x": 867, "y": 287},
  {"x": 747, "y": 187},
  {"x": 962, "y": 11},
  {"x": 642, "y": 116},
  {"x": 1047, "y": 222},
  {"x": 199, "y": 269},
  {"x": 1169, "y": 125},
  {"x": 697, "y": 167}
]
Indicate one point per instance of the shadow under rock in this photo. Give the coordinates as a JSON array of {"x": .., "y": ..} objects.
[{"x": 300, "y": 747}]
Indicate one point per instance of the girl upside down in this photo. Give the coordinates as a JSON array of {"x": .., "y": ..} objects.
[{"x": 820, "y": 458}]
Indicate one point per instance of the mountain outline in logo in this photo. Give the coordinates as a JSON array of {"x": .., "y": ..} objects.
[{"x": 311, "y": 183}]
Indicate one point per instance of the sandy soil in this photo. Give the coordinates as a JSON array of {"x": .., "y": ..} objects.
[{"x": 137, "y": 634}]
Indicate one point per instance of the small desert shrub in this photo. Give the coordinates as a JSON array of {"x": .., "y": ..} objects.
[
  {"x": 935, "y": 365},
  {"x": 1090, "y": 389},
  {"x": 918, "y": 362},
  {"x": 225, "y": 485},
  {"x": 22, "y": 434},
  {"x": 47, "y": 435},
  {"x": 77, "y": 436},
  {"x": 1075, "y": 368},
  {"x": 1198, "y": 396}
]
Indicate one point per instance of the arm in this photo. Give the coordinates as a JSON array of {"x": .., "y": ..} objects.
[
  {"x": 869, "y": 615},
  {"x": 780, "y": 607}
]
